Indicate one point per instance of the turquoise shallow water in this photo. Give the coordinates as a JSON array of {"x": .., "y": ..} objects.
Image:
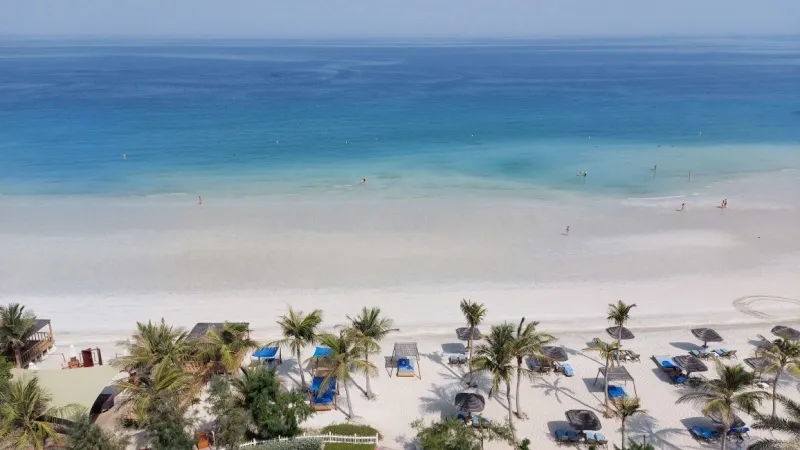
[{"x": 256, "y": 117}]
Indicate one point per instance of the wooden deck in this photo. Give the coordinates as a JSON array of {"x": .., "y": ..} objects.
[{"x": 37, "y": 344}]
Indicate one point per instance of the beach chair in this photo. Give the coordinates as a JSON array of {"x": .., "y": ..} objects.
[
  {"x": 704, "y": 434},
  {"x": 601, "y": 439},
  {"x": 405, "y": 368},
  {"x": 565, "y": 368},
  {"x": 561, "y": 436},
  {"x": 480, "y": 421},
  {"x": 678, "y": 379},
  {"x": 703, "y": 353},
  {"x": 590, "y": 437},
  {"x": 633, "y": 357},
  {"x": 616, "y": 393},
  {"x": 741, "y": 433},
  {"x": 725, "y": 353}
]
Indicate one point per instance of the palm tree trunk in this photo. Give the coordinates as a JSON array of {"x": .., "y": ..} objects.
[
  {"x": 519, "y": 380},
  {"x": 623, "y": 433},
  {"x": 18, "y": 357},
  {"x": 349, "y": 403},
  {"x": 510, "y": 415},
  {"x": 366, "y": 380},
  {"x": 724, "y": 437},
  {"x": 775, "y": 392},
  {"x": 469, "y": 344},
  {"x": 605, "y": 388},
  {"x": 302, "y": 372}
]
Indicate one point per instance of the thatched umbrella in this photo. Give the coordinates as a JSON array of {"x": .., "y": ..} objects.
[
  {"x": 690, "y": 364},
  {"x": 555, "y": 353},
  {"x": 467, "y": 333},
  {"x": 789, "y": 332},
  {"x": 582, "y": 420},
  {"x": 620, "y": 333},
  {"x": 717, "y": 418},
  {"x": 706, "y": 335},
  {"x": 757, "y": 364},
  {"x": 470, "y": 402}
]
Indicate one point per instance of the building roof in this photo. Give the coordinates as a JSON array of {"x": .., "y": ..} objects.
[
  {"x": 39, "y": 324},
  {"x": 71, "y": 386}
]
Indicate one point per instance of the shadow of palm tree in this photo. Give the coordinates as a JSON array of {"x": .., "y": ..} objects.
[
  {"x": 553, "y": 388},
  {"x": 438, "y": 358},
  {"x": 441, "y": 399},
  {"x": 288, "y": 369},
  {"x": 646, "y": 426}
]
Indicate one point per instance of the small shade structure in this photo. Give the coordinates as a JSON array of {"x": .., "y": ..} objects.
[
  {"x": 717, "y": 418},
  {"x": 467, "y": 333},
  {"x": 319, "y": 359},
  {"x": 555, "y": 353},
  {"x": 706, "y": 335},
  {"x": 789, "y": 332},
  {"x": 583, "y": 420},
  {"x": 620, "y": 333},
  {"x": 268, "y": 354},
  {"x": 323, "y": 400},
  {"x": 757, "y": 364},
  {"x": 689, "y": 364},
  {"x": 616, "y": 374},
  {"x": 401, "y": 356},
  {"x": 470, "y": 402}
]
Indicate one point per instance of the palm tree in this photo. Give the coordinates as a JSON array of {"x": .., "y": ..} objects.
[
  {"x": 626, "y": 408},
  {"x": 16, "y": 326},
  {"x": 24, "y": 415},
  {"x": 619, "y": 313},
  {"x": 474, "y": 313},
  {"x": 606, "y": 351},
  {"x": 527, "y": 342},
  {"x": 497, "y": 358},
  {"x": 165, "y": 381},
  {"x": 298, "y": 331},
  {"x": 371, "y": 328},
  {"x": 790, "y": 426},
  {"x": 152, "y": 344},
  {"x": 227, "y": 345},
  {"x": 733, "y": 390},
  {"x": 346, "y": 354},
  {"x": 781, "y": 356}
]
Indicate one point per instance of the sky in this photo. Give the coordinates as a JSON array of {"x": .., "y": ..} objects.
[{"x": 397, "y": 18}]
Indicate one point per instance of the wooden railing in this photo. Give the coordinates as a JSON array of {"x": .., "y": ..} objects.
[{"x": 42, "y": 340}]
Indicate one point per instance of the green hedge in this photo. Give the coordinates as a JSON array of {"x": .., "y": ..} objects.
[
  {"x": 349, "y": 429},
  {"x": 297, "y": 444},
  {"x": 341, "y": 446}
]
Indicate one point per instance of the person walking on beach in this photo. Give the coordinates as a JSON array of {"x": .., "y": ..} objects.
[
  {"x": 683, "y": 206},
  {"x": 725, "y": 203},
  {"x": 566, "y": 233},
  {"x": 199, "y": 199}
]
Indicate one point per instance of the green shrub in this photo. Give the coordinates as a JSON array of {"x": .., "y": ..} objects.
[
  {"x": 349, "y": 429},
  {"x": 525, "y": 445},
  {"x": 296, "y": 444}
]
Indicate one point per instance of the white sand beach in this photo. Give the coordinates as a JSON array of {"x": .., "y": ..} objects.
[{"x": 96, "y": 267}]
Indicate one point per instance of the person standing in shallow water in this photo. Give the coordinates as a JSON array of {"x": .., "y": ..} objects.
[{"x": 364, "y": 180}]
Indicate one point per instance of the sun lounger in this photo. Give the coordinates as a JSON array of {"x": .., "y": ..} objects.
[
  {"x": 565, "y": 368},
  {"x": 457, "y": 360},
  {"x": 324, "y": 402},
  {"x": 405, "y": 368},
  {"x": 478, "y": 421},
  {"x": 567, "y": 436},
  {"x": 703, "y": 433},
  {"x": 616, "y": 392},
  {"x": 703, "y": 353},
  {"x": 725, "y": 353},
  {"x": 601, "y": 439},
  {"x": 740, "y": 432},
  {"x": 678, "y": 379}
]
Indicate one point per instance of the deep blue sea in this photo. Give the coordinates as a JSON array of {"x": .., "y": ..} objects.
[{"x": 260, "y": 117}]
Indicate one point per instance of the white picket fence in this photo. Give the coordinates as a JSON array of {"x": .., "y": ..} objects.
[{"x": 354, "y": 439}]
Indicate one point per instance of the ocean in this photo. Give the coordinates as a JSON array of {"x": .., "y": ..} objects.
[{"x": 241, "y": 118}]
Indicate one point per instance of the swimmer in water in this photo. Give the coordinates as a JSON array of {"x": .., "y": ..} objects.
[{"x": 364, "y": 180}]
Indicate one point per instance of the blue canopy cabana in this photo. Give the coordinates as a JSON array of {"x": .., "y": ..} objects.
[
  {"x": 322, "y": 352},
  {"x": 268, "y": 354}
]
